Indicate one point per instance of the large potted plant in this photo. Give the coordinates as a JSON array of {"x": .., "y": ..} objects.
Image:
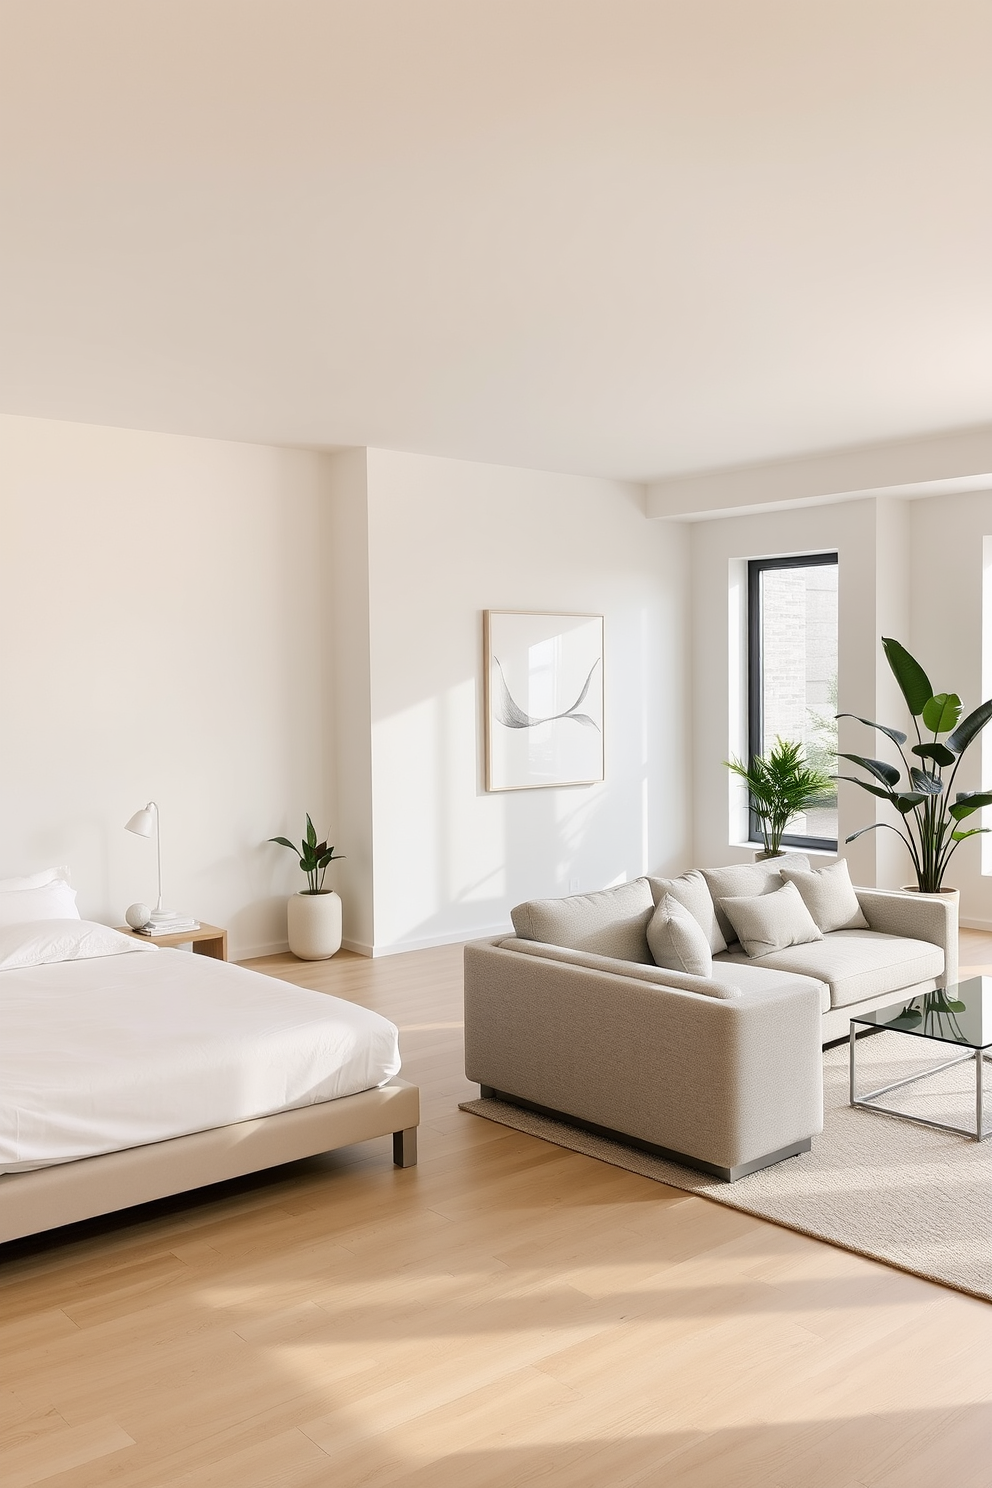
[
  {"x": 313, "y": 914},
  {"x": 931, "y": 817},
  {"x": 781, "y": 784}
]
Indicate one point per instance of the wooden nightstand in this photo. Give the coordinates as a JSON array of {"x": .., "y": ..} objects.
[{"x": 209, "y": 940}]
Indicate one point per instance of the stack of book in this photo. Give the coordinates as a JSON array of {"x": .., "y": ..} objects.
[{"x": 169, "y": 927}]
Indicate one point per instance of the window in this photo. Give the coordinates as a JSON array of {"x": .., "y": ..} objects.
[{"x": 792, "y": 673}]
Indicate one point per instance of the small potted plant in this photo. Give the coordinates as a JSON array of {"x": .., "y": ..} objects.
[
  {"x": 780, "y": 785},
  {"x": 314, "y": 913}
]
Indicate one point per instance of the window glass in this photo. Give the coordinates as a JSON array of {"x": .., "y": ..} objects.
[{"x": 793, "y": 672}]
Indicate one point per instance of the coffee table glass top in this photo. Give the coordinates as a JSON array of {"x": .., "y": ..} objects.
[{"x": 960, "y": 1015}]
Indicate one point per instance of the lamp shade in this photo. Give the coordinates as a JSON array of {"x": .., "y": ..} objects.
[{"x": 142, "y": 822}]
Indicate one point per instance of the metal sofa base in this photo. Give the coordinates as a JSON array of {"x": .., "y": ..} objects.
[{"x": 728, "y": 1175}]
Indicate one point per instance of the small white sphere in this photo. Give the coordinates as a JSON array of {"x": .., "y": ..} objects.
[{"x": 138, "y": 915}]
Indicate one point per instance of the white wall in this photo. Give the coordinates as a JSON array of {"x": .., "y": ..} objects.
[
  {"x": 911, "y": 569},
  {"x": 947, "y": 543},
  {"x": 161, "y": 603},
  {"x": 447, "y": 540}
]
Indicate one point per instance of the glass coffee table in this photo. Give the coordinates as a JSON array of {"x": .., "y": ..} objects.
[{"x": 961, "y": 1015}]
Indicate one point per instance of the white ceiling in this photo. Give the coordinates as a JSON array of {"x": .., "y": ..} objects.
[{"x": 627, "y": 237}]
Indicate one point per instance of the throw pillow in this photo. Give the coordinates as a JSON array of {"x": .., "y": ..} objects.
[
  {"x": 677, "y": 942},
  {"x": 770, "y": 922},
  {"x": 829, "y": 896},
  {"x": 610, "y": 922},
  {"x": 742, "y": 880},
  {"x": 691, "y": 890}
]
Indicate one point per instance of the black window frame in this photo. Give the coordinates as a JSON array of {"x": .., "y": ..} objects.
[{"x": 755, "y": 691}]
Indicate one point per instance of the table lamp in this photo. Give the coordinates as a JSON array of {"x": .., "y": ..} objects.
[{"x": 142, "y": 823}]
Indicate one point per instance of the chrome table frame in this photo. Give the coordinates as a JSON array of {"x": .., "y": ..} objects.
[{"x": 869, "y": 1100}]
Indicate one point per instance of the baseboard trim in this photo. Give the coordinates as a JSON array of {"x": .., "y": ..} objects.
[
  {"x": 268, "y": 948},
  {"x": 360, "y": 947},
  {"x": 973, "y": 924},
  {"x": 454, "y": 937}
]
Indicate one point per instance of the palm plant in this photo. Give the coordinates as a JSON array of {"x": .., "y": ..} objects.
[
  {"x": 314, "y": 857},
  {"x": 930, "y": 817},
  {"x": 781, "y": 784}
]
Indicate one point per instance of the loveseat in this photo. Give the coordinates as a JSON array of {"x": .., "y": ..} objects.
[{"x": 718, "y": 1065}]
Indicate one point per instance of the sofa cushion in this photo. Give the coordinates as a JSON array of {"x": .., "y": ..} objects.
[
  {"x": 741, "y": 880},
  {"x": 752, "y": 976},
  {"x": 771, "y": 922},
  {"x": 829, "y": 896},
  {"x": 691, "y": 890},
  {"x": 677, "y": 941},
  {"x": 611, "y": 922},
  {"x": 855, "y": 964}
]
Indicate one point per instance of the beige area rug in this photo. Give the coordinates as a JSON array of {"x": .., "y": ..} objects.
[{"x": 910, "y": 1195}]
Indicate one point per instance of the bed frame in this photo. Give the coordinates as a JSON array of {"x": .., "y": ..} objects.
[{"x": 48, "y": 1197}]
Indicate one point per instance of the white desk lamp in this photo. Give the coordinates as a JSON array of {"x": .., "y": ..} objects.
[{"x": 142, "y": 823}]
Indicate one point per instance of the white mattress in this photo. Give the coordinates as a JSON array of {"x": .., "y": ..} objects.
[{"x": 117, "y": 1051}]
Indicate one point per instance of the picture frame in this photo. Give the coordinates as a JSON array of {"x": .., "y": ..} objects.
[{"x": 543, "y": 699}]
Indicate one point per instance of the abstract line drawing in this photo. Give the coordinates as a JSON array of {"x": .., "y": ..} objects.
[
  {"x": 506, "y": 711},
  {"x": 544, "y": 694}
]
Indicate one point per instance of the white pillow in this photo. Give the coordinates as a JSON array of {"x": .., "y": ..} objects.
[
  {"x": 770, "y": 922},
  {"x": 49, "y": 941},
  {"x": 829, "y": 896},
  {"x": 744, "y": 880},
  {"x": 678, "y": 942},
  {"x": 692, "y": 891},
  {"x": 34, "y": 880},
  {"x": 51, "y": 901}
]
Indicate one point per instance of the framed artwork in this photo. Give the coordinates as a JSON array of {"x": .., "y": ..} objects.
[{"x": 543, "y": 699}]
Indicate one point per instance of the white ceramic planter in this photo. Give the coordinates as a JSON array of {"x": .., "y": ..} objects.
[{"x": 314, "y": 922}]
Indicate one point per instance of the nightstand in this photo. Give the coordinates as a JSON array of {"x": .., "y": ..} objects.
[{"x": 209, "y": 940}]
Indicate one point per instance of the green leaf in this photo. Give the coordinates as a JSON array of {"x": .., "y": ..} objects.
[
  {"x": 861, "y": 832},
  {"x": 874, "y": 790},
  {"x": 971, "y": 832},
  {"x": 925, "y": 782},
  {"x": 942, "y": 712},
  {"x": 330, "y": 857},
  {"x": 913, "y": 680},
  {"x": 969, "y": 727},
  {"x": 879, "y": 768},
  {"x": 896, "y": 735},
  {"x": 939, "y": 753},
  {"x": 905, "y": 801},
  {"x": 285, "y": 842},
  {"x": 969, "y": 801},
  {"x": 311, "y": 832}
]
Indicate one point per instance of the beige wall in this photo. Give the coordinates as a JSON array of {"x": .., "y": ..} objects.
[
  {"x": 161, "y": 603},
  {"x": 447, "y": 540}
]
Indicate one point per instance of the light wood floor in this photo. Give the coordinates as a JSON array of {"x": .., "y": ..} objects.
[{"x": 505, "y": 1313}]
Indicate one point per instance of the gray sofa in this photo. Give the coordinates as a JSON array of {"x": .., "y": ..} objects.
[{"x": 724, "y": 1072}]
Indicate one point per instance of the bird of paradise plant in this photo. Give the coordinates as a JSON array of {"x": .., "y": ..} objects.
[{"x": 930, "y": 818}]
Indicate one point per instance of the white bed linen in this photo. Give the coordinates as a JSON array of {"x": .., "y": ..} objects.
[{"x": 119, "y": 1051}]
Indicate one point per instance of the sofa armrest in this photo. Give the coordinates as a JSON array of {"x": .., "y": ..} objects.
[
  {"x": 723, "y": 1080},
  {"x": 931, "y": 917},
  {"x": 713, "y": 986}
]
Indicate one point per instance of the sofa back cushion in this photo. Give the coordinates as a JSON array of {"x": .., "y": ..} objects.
[
  {"x": 745, "y": 880},
  {"x": 611, "y": 922},
  {"x": 829, "y": 896},
  {"x": 677, "y": 941},
  {"x": 770, "y": 922},
  {"x": 691, "y": 890}
]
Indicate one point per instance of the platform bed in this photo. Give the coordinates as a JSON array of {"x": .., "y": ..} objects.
[{"x": 45, "y": 1198}]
